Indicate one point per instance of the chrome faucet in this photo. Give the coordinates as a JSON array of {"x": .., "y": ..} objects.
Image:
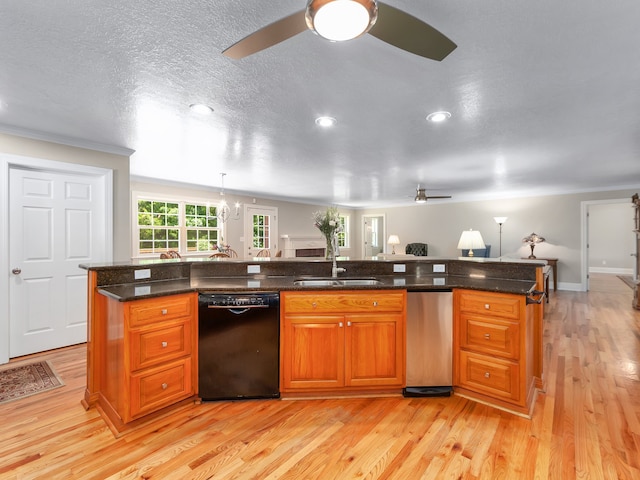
[{"x": 334, "y": 268}]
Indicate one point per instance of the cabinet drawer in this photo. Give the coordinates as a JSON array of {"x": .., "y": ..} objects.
[
  {"x": 347, "y": 302},
  {"x": 488, "y": 303},
  {"x": 489, "y": 335},
  {"x": 153, "y": 346},
  {"x": 159, "y": 387},
  {"x": 492, "y": 376},
  {"x": 152, "y": 310}
]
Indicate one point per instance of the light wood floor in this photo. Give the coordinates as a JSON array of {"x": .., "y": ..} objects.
[{"x": 586, "y": 425}]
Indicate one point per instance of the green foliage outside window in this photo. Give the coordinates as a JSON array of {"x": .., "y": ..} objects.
[{"x": 161, "y": 225}]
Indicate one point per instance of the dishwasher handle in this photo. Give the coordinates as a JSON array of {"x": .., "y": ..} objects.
[{"x": 237, "y": 311}]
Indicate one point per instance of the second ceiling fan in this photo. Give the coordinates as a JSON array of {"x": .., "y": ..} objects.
[
  {"x": 422, "y": 197},
  {"x": 339, "y": 20}
]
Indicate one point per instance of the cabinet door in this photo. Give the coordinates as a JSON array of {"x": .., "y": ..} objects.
[
  {"x": 374, "y": 350},
  {"x": 312, "y": 352}
]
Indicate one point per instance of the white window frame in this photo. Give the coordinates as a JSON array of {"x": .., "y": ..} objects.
[{"x": 136, "y": 196}]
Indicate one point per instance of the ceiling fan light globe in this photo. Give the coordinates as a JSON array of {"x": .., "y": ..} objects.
[{"x": 340, "y": 20}]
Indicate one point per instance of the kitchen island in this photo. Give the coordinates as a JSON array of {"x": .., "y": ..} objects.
[{"x": 133, "y": 306}]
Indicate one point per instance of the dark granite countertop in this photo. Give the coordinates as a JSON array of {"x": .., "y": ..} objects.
[{"x": 126, "y": 292}]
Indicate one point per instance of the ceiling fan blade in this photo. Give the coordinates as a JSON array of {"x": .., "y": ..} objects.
[
  {"x": 438, "y": 196},
  {"x": 268, "y": 36},
  {"x": 408, "y": 33}
]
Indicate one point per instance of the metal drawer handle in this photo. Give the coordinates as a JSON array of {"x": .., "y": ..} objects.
[
  {"x": 487, "y": 336},
  {"x": 164, "y": 386},
  {"x": 486, "y": 306},
  {"x": 486, "y": 375},
  {"x": 164, "y": 344},
  {"x": 163, "y": 311}
]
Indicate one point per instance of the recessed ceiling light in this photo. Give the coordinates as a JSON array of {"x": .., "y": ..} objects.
[
  {"x": 438, "y": 116},
  {"x": 201, "y": 108},
  {"x": 325, "y": 121}
]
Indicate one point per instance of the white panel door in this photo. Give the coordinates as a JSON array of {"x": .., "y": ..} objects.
[
  {"x": 56, "y": 222},
  {"x": 260, "y": 230}
]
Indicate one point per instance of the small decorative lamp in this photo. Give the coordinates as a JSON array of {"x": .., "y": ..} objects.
[
  {"x": 469, "y": 240},
  {"x": 393, "y": 241},
  {"x": 500, "y": 221},
  {"x": 532, "y": 240}
]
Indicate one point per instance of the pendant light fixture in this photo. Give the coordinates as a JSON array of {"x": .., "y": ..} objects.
[
  {"x": 340, "y": 20},
  {"x": 223, "y": 210}
]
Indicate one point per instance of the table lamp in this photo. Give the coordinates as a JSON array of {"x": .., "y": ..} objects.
[
  {"x": 532, "y": 240},
  {"x": 469, "y": 240},
  {"x": 393, "y": 241}
]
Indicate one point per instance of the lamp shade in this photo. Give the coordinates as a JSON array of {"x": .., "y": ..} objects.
[
  {"x": 471, "y": 239},
  {"x": 533, "y": 239},
  {"x": 500, "y": 220},
  {"x": 393, "y": 240}
]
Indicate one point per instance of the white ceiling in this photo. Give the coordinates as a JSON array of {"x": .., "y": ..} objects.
[{"x": 544, "y": 96}]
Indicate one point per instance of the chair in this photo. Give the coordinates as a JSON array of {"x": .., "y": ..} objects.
[
  {"x": 219, "y": 254},
  {"x": 170, "y": 254},
  {"x": 279, "y": 254},
  {"x": 264, "y": 253},
  {"x": 478, "y": 252},
  {"x": 232, "y": 253},
  {"x": 417, "y": 249}
]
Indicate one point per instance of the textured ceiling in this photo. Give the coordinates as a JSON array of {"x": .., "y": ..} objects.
[{"x": 544, "y": 97}]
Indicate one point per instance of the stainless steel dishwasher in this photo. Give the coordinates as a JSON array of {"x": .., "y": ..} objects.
[
  {"x": 429, "y": 344},
  {"x": 238, "y": 345}
]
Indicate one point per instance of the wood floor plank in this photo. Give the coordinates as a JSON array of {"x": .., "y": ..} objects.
[{"x": 586, "y": 424}]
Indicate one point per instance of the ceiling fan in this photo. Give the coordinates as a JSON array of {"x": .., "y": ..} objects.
[
  {"x": 339, "y": 20},
  {"x": 421, "y": 196}
]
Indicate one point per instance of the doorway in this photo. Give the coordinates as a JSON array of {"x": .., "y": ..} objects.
[
  {"x": 56, "y": 216},
  {"x": 607, "y": 238},
  {"x": 373, "y": 234}
]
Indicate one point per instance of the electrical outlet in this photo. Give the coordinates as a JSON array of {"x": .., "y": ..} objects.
[
  {"x": 142, "y": 274},
  {"x": 253, "y": 268},
  {"x": 438, "y": 268},
  {"x": 399, "y": 268}
]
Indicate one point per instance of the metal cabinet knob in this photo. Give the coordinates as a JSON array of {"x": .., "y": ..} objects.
[
  {"x": 375, "y": 304},
  {"x": 486, "y": 306},
  {"x": 486, "y": 375},
  {"x": 340, "y": 324},
  {"x": 16, "y": 271},
  {"x": 487, "y": 336},
  {"x": 163, "y": 311},
  {"x": 314, "y": 304},
  {"x": 164, "y": 344},
  {"x": 348, "y": 324},
  {"x": 164, "y": 386}
]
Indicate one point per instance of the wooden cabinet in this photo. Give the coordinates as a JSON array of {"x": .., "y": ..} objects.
[
  {"x": 342, "y": 341},
  {"x": 150, "y": 355},
  {"x": 494, "y": 349}
]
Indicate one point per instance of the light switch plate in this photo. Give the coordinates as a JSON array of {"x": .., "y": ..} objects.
[
  {"x": 141, "y": 274},
  {"x": 399, "y": 268},
  {"x": 253, "y": 268},
  {"x": 438, "y": 268}
]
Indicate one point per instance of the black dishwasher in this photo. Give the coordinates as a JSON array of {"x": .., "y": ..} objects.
[{"x": 238, "y": 343}]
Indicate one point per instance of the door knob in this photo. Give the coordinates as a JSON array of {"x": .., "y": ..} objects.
[{"x": 16, "y": 271}]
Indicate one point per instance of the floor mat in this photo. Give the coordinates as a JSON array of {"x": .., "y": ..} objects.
[{"x": 25, "y": 380}]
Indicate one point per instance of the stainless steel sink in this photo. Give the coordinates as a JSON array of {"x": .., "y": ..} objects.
[
  {"x": 318, "y": 282},
  {"x": 359, "y": 281},
  {"x": 333, "y": 282}
]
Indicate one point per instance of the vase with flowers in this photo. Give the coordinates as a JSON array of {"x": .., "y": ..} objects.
[{"x": 328, "y": 223}]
